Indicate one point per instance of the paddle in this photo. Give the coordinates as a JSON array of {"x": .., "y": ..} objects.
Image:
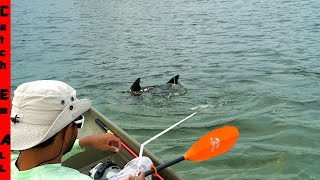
[{"x": 208, "y": 146}]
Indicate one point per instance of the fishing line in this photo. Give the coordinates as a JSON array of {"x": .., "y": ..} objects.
[
  {"x": 156, "y": 136},
  {"x": 56, "y": 155}
]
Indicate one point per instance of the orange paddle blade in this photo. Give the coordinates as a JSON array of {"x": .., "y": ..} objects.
[{"x": 213, "y": 144}]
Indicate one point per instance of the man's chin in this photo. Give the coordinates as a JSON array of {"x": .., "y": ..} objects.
[{"x": 69, "y": 147}]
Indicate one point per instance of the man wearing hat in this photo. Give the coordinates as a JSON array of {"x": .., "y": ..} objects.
[{"x": 45, "y": 118}]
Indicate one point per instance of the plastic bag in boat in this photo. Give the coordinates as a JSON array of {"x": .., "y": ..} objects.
[
  {"x": 131, "y": 167},
  {"x": 110, "y": 171}
]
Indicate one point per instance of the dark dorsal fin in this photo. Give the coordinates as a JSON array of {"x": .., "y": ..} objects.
[
  {"x": 136, "y": 86},
  {"x": 174, "y": 80}
]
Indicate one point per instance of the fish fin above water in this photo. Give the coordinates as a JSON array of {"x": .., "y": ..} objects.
[
  {"x": 174, "y": 80},
  {"x": 136, "y": 86}
]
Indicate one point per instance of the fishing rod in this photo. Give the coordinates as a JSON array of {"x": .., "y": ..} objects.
[
  {"x": 208, "y": 146},
  {"x": 107, "y": 129}
]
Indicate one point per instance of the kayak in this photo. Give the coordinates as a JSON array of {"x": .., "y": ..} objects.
[{"x": 85, "y": 161}]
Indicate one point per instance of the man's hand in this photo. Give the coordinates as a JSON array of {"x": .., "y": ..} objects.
[
  {"x": 104, "y": 141},
  {"x": 140, "y": 177}
]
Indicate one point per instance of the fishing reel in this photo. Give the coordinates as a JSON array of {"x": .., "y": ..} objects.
[{"x": 104, "y": 170}]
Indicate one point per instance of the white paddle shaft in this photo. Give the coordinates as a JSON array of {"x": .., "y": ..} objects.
[{"x": 161, "y": 133}]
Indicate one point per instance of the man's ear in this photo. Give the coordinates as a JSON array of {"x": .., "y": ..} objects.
[
  {"x": 67, "y": 131},
  {"x": 67, "y": 128}
]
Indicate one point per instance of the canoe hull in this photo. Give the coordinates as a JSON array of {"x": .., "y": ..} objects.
[{"x": 86, "y": 160}]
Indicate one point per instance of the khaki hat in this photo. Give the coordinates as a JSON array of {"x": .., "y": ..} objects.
[{"x": 42, "y": 108}]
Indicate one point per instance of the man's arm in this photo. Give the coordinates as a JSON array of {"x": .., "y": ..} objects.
[
  {"x": 76, "y": 148},
  {"x": 104, "y": 141}
]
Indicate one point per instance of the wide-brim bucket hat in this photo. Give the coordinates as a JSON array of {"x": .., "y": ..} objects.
[{"x": 42, "y": 108}]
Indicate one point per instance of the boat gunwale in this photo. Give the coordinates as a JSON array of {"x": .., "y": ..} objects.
[{"x": 134, "y": 145}]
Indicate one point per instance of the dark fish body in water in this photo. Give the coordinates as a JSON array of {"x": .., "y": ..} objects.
[{"x": 137, "y": 90}]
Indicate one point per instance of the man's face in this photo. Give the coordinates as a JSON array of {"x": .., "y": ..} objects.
[{"x": 72, "y": 139}]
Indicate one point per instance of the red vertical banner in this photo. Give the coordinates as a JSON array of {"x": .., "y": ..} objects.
[{"x": 5, "y": 13}]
